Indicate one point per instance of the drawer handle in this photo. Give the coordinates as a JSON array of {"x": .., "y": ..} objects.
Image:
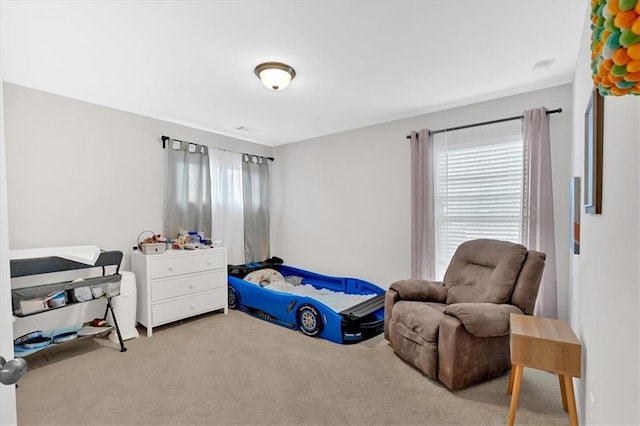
[
  {"x": 192, "y": 285},
  {"x": 171, "y": 268},
  {"x": 192, "y": 306},
  {"x": 208, "y": 262}
]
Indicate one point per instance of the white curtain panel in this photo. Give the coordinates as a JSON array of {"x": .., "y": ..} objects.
[
  {"x": 422, "y": 208},
  {"x": 538, "y": 211},
  {"x": 227, "y": 203}
]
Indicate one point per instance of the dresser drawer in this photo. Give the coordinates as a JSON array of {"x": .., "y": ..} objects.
[
  {"x": 187, "y": 284},
  {"x": 188, "y": 306},
  {"x": 171, "y": 264}
]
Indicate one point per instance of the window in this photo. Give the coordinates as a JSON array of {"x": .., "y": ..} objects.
[
  {"x": 479, "y": 185},
  {"x": 188, "y": 189},
  {"x": 193, "y": 184},
  {"x": 222, "y": 193}
]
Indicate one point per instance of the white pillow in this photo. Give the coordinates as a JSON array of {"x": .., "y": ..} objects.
[{"x": 264, "y": 277}]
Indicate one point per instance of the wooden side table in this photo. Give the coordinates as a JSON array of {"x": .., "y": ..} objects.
[{"x": 545, "y": 344}]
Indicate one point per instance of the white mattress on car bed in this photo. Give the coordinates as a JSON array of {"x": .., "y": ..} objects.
[{"x": 336, "y": 300}]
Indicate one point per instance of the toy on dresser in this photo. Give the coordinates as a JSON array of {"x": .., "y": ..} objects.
[{"x": 155, "y": 244}]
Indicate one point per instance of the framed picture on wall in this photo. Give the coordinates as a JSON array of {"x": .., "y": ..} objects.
[
  {"x": 593, "y": 135},
  {"x": 575, "y": 214}
]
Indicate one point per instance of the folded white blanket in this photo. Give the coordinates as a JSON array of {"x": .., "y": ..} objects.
[
  {"x": 83, "y": 254},
  {"x": 336, "y": 300}
]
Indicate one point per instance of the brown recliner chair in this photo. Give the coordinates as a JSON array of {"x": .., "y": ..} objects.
[{"x": 457, "y": 331}]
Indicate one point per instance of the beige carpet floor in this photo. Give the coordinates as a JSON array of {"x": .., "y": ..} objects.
[{"x": 235, "y": 369}]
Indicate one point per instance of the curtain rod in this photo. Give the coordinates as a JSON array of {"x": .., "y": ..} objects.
[
  {"x": 165, "y": 139},
  {"x": 517, "y": 117}
]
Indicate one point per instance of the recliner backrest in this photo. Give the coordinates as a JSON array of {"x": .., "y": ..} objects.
[
  {"x": 525, "y": 291},
  {"x": 484, "y": 271}
]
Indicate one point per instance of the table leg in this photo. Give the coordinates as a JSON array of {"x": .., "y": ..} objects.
[
  {"x": 510, "y": 388},
  {"x": 516, "y": 392},
  {"x": 563, "y": 392},
  {"x": 571, "y": 401}
]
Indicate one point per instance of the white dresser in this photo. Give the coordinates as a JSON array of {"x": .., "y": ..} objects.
[{"x": 179, "y": 284}]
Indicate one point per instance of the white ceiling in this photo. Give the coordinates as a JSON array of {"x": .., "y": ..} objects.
[{"x": 358, "y": 62}]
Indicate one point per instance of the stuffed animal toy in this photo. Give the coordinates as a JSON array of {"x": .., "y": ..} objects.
[{"x": 155, "y": 238}]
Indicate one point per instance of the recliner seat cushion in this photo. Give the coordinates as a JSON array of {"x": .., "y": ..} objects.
[{"x": 484, "y": 271}]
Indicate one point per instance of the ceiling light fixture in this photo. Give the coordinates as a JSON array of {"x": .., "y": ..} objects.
[{"x": 275, "y": 75}]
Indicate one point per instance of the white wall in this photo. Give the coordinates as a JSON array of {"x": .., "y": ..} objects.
[
  {"x": 605, "y": 276},
  {"x": 80, "y": 173},
  {"x": 342, "y": 202}
]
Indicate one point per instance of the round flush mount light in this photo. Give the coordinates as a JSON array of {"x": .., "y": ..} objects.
[{"x": 275, "y": 75}]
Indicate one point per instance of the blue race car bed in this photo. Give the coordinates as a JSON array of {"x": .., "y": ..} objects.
[{"x": 342, "y": 310}]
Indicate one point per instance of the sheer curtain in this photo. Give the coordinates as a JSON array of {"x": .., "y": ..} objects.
[
  {"x": 255, "y": 187},
  {"x": 422, "y": 208},
  {"x": 188, "y": 189},
  {"x": 538, "y": 199},
  {"x": 227, "y": 203}
]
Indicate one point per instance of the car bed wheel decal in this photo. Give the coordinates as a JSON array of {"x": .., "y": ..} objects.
[
  {"x": 309, "y": 320},
  {"x": 232, "y": 300}
]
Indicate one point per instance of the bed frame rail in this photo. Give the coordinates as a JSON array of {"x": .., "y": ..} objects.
[{"x": 364, "y": 308}]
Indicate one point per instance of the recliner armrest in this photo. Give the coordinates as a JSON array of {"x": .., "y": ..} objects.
[
  {"x": 390, "y": 299},
  {"x": 483, "y": 319},
  {"x": 420, "y": 290}
]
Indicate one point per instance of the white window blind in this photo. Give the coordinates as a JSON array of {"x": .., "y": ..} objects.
[{"x": 478, "y": 187}]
